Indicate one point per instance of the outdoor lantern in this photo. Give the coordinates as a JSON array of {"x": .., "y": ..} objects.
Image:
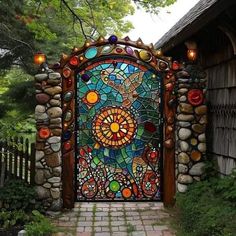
[
  {"x": 192, "y": 50},
  {"x": 39, "y": 58},
  {"x": 192, "y": 54}
]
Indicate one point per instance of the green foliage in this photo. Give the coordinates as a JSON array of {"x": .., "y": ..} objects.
[
  {"x": 16, "y": 195},
  {"x": 208, "y": 208},
  {"x": 153, "y": 6},
  {"x": 22, "y": 92},
  {"x": 3, "y": 109},
  {"x": 9, "y": 219},
  {"x": 54, "y": 26},
  {"x": 226, "y": 187},
  {"x": 40, "y": 225},
  {"x": 17, "y": 103}
]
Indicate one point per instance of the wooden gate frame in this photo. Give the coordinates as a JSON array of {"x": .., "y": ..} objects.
[{"x": 66, "y": 67}]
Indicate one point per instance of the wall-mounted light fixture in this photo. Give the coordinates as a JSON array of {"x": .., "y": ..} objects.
[
  {"x": 192, "y": 51},
  {"x": 39, "y": 58}
]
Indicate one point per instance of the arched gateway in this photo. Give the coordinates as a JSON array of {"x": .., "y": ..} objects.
[
  {"x": 115, "y": 120},
  {"x": 116, "y": 115}
]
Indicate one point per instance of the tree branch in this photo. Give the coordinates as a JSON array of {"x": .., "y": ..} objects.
[
  {"x": 16, "y": 40},
  {"x": 75, "y": 16}
]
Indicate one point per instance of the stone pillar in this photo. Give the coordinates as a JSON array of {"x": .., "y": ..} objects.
[
  {"x": 191, "y": 119},
  {"x": 48, "y": 114}
]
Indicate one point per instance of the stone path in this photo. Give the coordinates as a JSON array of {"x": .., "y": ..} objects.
[{"x": 115, "y": 219}]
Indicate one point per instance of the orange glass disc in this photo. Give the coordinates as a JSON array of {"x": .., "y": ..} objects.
[
  {"x": 92, "y": 97},
  {"x": 44, "y": 132},
  {"x": 126, "y": 192}
]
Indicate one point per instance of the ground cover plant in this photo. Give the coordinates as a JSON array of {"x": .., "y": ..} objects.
[
  {"x": 18, "y": 210},
  {"x": 208, "y": 208}
]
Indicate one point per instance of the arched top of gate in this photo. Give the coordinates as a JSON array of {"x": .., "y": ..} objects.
[{"x": 113, "y": 46}]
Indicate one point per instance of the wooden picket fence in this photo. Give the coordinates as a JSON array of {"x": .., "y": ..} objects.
[{"x": 17, "y": 160}]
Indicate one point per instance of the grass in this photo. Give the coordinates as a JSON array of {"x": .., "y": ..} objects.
[
  {"x": 94, "y": 214},
  {"x": 129, "y": 227}
]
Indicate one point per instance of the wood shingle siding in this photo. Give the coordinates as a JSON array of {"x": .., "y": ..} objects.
[{"x": 212, "y": 25}]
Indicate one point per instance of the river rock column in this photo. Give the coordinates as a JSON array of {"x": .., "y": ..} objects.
[
  {"x": 48, "y": 115},
  {"x": 191, "y": 119}
]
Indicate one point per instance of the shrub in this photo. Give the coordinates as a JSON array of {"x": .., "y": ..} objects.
[
  {"x": 22, "y": 92},
  {"x": 9, "y": 219},
  {"x": 40, "y": 226},
  {"x": 208, "y": 208},
  {"x": 16, "y": 195},
  {"x": 3, "y": 109}
]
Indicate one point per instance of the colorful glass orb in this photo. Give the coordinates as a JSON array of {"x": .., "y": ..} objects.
[
  {"x": 129, "y": 50},
  {"x": 114, "y": 186},
  {"x": 74, "y": 61},
  {"x": 175, "y": 65},
  {"x": 107, "y": 49},
  {"x": 66, "y": 72},
  {"x": 119, "y": 50},
  {"x": 44, "y": 132},
  {"x": 196, "y": 155},
  {"x": 85, "y": 77},
  {"x": 126, "y": 192},
  {"x": 68, "y": 82},
  {"x": 195, "y": 97},
  {"x": 163, "y": 65},
  {"x": 91, "y": 52},
  {"x": 67, "y": 146},
  {"x": 150, "y": 127},
  {"x": 67, "y": 135},
  {"x": 57, "y": 65},
  {"x": 145, "y": 55},
  {"x": 169, "y": 86},
  {"x": 92, "y": 97},
  {"x": 68, "y": 96},
  {"x": 112, "y": 39},
  {"x": 39, "y": 58},
  {"x": 153, "y": 154}
]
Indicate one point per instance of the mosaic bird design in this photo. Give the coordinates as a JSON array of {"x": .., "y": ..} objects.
[{"x": 126, "y": 86}]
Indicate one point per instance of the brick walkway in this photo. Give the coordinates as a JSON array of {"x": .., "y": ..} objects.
[{"x": 115, "y": 219}]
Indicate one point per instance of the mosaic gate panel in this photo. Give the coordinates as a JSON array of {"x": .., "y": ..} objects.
[{"x": 119, "y": 129}]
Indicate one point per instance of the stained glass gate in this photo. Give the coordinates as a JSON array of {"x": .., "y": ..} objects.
[{"x": 118, "y": 127}]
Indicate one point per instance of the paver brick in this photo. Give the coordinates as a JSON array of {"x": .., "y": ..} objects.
[
  {"x": 111, "y": 220},
  {"x": 168, "y": 233},
  {"x": 80, "y": 229},
  {"x": 97, "y": 229},
  {"x": 105, "y": 229},
  {"x": 161, "y": 227},
  {"x": 118, "y": 223},
  {"x": 119, "y": 234},
  {"x": 85, "y": 223},
  {"x": 138, "y": 233},
  {"x": 84, "y": 234},
  {"x": 101, "y": 223},
  {"x": 154, "y": 233},
  {"x": 102, "y": 234},
  {"x": 148, "y": 227}
]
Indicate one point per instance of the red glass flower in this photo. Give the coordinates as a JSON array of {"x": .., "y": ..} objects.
[{"x": 195, "y": 97}]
